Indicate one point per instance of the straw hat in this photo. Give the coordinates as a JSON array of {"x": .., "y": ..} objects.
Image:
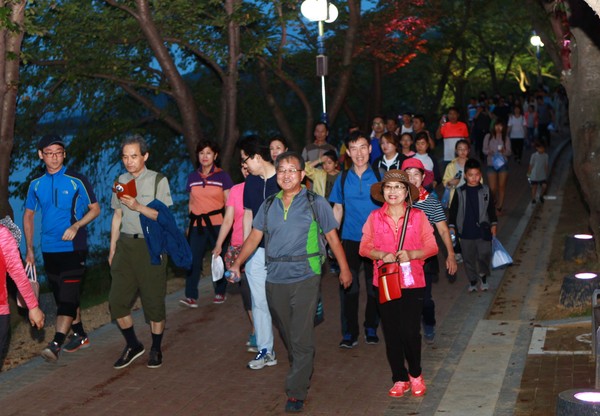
[{"x": 393, "y": 175}]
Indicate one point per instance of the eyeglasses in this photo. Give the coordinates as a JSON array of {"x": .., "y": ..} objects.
[
  {"x": 378, "y": 123},
  {"x": 53, "y": 154},
  {"x": 290, "y": 170},
  {"x": 394, "y": 188},
  {"x": 245, "y": 160}
]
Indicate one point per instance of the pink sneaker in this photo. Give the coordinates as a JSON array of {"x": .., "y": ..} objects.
[
  {"x": 399, "y": 388},
  {"x": 417, "y": 385}
]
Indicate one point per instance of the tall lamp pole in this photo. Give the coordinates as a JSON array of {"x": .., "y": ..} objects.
[
  {"x": 320, "y": 11},
  {"x": 536, "y": 41}
]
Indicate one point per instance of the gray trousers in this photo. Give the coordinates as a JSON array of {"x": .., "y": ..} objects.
[
  {"x": 293, "y": 309},
  {"x": 477, "y": 255}
]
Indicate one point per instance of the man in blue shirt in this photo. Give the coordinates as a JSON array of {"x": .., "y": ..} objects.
[
  {"x": 67, "y": 202},
  {"x": 351, "y": 195}
]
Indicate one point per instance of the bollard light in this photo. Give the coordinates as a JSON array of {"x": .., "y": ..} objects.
[
  {"x": 585, "y": 275},
  {"x": 588, "y": 396}
]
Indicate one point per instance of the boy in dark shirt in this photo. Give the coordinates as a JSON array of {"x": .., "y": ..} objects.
[{"x": 473, "y": 217}]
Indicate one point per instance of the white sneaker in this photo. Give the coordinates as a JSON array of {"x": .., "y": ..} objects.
[
  {"x": 458, "y": 258},
  {"x": 484, "y": 286},
  {"x": 262, "y": 359},
  {"x": 472, "y": 288}
]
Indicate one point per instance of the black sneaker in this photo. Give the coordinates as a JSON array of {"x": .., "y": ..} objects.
[
  {"x": 348, "y": 342},
  {"x": 129, "y": 354},
  {"x": 51, "y": 352},
  {"x": 76, "y": 342},
  {"x": 155, "y": 359},
  {"x": 371, "y": 336}
]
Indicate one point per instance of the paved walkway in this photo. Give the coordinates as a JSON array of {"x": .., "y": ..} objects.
[{"x": 473, "y": 368}]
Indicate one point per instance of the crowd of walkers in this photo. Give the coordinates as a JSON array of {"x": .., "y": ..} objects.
[{"x": 382, "y": 198}]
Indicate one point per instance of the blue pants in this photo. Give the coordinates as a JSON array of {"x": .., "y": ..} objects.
[{"x": 199, "y": 243}]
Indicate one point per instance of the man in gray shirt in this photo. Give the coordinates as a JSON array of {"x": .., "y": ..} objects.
[
  {"x": 129, "y": 258},
  {"x": 290, "y": 222}
]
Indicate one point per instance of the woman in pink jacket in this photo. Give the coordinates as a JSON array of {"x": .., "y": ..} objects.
[
  {"x": 10, "y": 262},
  {"x": 400, "y": 318}
]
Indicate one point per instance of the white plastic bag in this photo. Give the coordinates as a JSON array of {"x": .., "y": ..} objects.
[
  {"x": 217, "y": 268},
  {"x": 500, "y": 256}
]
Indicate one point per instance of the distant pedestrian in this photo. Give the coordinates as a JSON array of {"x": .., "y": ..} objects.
[
  {"x": 67, "y": 204},
  {"x": 538, "y": 172},
  {"x": 497, "y": 148},
  {"x": 472, "y": 218},
  {"x": 517, "y": 125},
  {"x": 451, "y": 130},
  {"x": 290, "y": 222},
  {"x": 545, "y": 114}
]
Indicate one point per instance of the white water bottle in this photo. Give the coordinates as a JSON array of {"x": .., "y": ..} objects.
[{"x": 407, "y": 277}]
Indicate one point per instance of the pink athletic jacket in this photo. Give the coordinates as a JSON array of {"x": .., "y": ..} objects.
[
  {"x": 379, "y": 233},
  {"x": 10, "y": 261}
]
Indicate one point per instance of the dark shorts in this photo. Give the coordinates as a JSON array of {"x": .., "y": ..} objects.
[
  {"x": 133, "y": 274},
  {"x": 65, "y": 273}
]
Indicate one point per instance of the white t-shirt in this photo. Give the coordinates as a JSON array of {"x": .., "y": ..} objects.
[{"x": 517, "y": 126}]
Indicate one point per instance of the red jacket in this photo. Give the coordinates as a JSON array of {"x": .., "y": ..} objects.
[{"x": 379, "y": 233}]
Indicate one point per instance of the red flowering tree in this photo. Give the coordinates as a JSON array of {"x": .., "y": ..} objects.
[{"x": 392, "y": 36}]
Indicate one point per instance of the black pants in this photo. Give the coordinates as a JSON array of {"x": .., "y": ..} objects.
[
  {"x": 65, "y": 273},
  {"x": 349, "y": 297},
  {"x": 401, "y": 323}
]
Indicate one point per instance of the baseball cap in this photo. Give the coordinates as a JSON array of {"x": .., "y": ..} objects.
[{"x": 49, "y": 140}]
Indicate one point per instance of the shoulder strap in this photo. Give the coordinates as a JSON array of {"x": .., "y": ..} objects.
[
  {"x": 343, "y": 182},
  {"x": 404, "y": 229},
  {"x": 159, "y": 177}
]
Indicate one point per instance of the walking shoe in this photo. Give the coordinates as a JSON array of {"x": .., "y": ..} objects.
[
  {"x": 399, "y": 388},
  {"x": 128, "y": 356},
  {"x": 484, "y": 286},
  {"x": 51, "y": 352},
  {"x": 371, "y": 336},
  {"x": 218, "y": 299},
  {"x": 294, "y": 405},
  {"x": 155, "y": 359},
  {"x": 263, "y": 358},
  {"x": 189, "y": 302},
  {"x": 251, "y": 343},
  {"x": 429, "y": 334},
  {"x": 348, "y": 342},
  {"x": 458, "y": 258},
  {"x": 76, "y": 342},
  {"x": 542, "y": 199},
  {"x": 473, "y": 287},
  {"x": 417, "y": 385}
]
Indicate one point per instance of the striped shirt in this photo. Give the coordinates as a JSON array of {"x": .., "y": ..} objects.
[{"x": 432, "y": 208}]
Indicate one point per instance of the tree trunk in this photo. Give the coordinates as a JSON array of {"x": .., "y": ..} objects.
[
  {"x": 345, "y": 75},
  {"x": 231, "y": 86},
  {"x": 583, "y": 88},
  {"x": 192, "y": 132},
  {"x": 10, "y": 50}
]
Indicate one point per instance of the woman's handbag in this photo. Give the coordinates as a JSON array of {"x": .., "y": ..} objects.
[
  {"x": 35, "y": 286},
  {"x": 390, "y": 274}
]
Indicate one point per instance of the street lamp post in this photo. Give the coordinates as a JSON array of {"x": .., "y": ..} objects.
[
  {"x": 320, "y": 11},
  {"x": 536, "y": 41}
]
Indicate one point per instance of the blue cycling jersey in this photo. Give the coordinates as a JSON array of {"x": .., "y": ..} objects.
[{"x": 63, "y": 198}]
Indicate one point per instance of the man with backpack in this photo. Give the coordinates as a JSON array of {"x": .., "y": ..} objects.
[
  {"x": 351, "y": 196},
  {"x": 292, "y": 223}
]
